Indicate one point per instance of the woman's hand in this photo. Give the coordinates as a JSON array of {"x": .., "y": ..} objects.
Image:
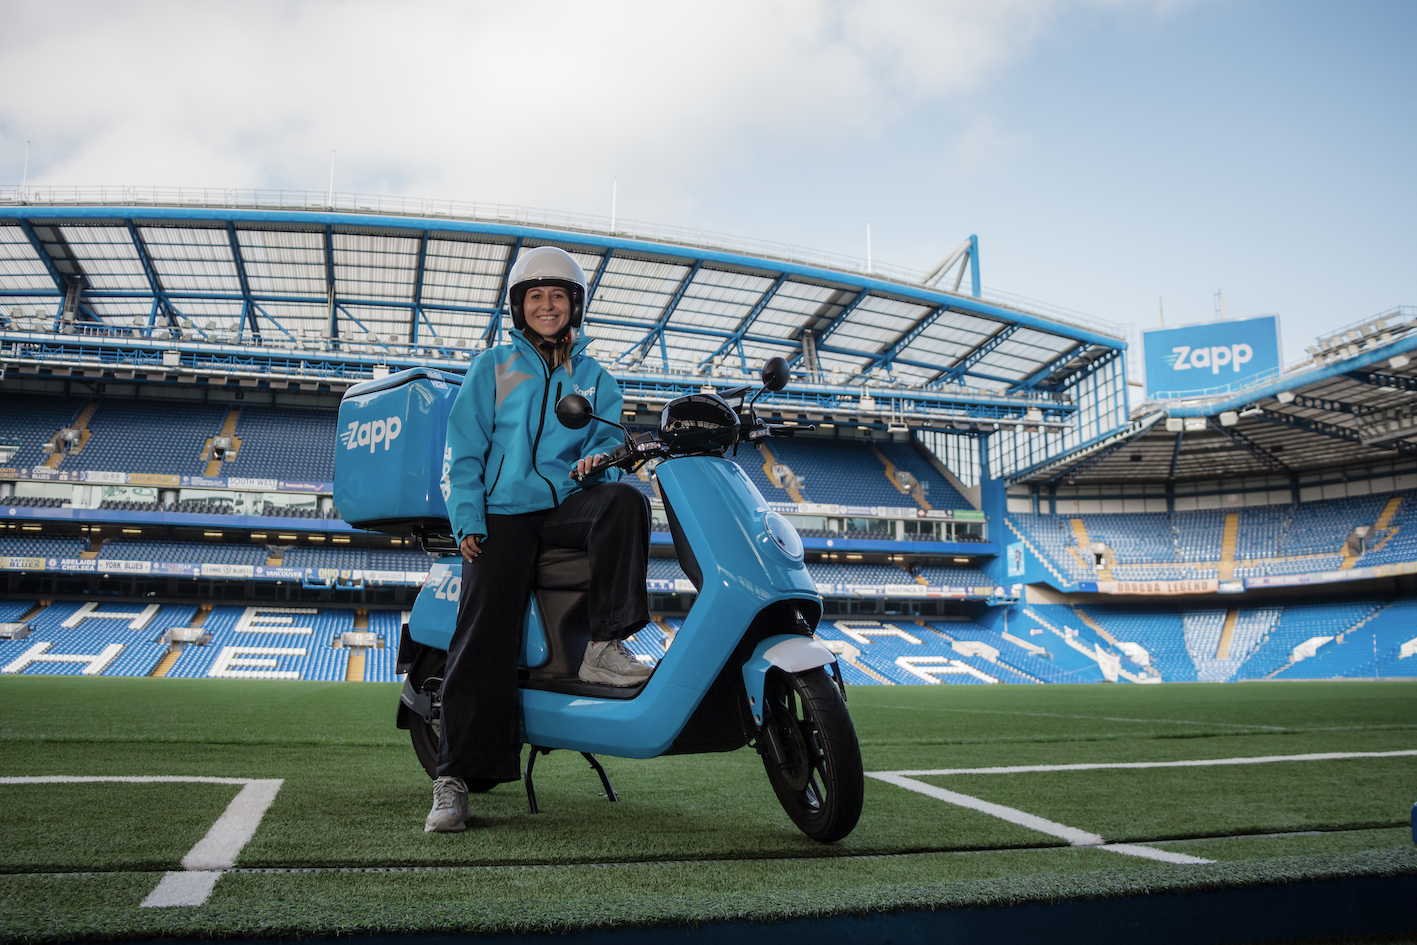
[
  {"x": 469, "y": 547},
  {"x": 583, "y": 465}
]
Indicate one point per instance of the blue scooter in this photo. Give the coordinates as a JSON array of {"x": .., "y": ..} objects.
[{"x": 744, "y": 669}]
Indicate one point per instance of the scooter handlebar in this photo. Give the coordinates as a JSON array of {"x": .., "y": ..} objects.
[{"x": 616, "y": 456}]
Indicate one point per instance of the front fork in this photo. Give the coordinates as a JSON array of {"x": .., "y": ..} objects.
[{"x": 792, "y": 654}]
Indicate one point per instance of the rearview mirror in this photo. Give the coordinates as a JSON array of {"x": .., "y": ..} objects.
[
  {"x": 776, "y": 374},
  {"x": 573, "y": 411}
]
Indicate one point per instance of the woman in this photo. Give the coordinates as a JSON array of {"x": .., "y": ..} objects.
[{"x": 509, "y": 492}]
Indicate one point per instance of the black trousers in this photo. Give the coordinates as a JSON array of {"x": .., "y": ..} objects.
[{"x": 479, "y": 737}]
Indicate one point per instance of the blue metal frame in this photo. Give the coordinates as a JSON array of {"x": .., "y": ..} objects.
[
  {"x": 248, "y": 306},
  {"x": 417, "y": 314},
  {"x": 658, "y": 330},
  {"x": 841, "y": 317},
  {"x": 1072, "y": 471},
  {"x": 1176, "y": 454},
  {"x": 1051, "y": 368},
  {"x": 932, "y": 297},
  {"x": 1052, "y": 461},
  {"x": 595, "y": 280},
  {"x": 736, "y": 337},
  {"x": 154, "y": 282},
  {"x": 331, "y": 302},
  {"x": 494, "y": 323},
  {"x": 955, "y": 372},
  {"x": 61, "y": 284},
  {"x": 887, "y": 356}
]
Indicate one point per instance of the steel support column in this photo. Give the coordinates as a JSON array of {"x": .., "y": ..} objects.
[
  {"x": 248, "y": 306},
  {"x": 494, "y": 323},
  {"x": 736, "y": 338}
]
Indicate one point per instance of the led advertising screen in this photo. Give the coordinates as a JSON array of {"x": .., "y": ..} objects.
[{"x": 1195, "y": 359}]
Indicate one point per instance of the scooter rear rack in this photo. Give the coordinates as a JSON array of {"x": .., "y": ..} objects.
[{"x": 531, "y": 763}]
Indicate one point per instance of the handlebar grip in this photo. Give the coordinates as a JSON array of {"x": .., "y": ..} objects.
[{"x": 611, "y": 458}]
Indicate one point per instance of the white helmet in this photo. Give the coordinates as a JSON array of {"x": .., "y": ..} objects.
[{"x": 546, "y": 265}]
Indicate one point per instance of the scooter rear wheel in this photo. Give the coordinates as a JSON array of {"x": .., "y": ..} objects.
[
  {"x": 424, "y": 734},
  {"x": 818, "y": 775}
]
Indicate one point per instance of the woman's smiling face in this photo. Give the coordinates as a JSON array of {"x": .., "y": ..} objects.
[{"x": 548, "y": 310}]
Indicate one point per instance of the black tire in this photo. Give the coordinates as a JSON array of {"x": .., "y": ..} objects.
[
  {"x": 424, "y": 734},
  {"x": 819, "y": 783}
]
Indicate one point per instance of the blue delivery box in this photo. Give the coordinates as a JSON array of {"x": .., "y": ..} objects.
[{"x": 389, "y": 456}]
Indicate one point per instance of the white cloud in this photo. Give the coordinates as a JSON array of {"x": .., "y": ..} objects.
[{"x": 532, "y": 104}]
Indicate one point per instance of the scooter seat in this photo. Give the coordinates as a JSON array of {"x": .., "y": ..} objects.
[{"x": 562, "y": 569}]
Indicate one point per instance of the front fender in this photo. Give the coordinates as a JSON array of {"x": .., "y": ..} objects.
[{"x": 789, "y": 652}]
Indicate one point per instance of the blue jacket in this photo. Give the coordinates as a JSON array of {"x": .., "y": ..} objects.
[{"x": 506, "y": 452}]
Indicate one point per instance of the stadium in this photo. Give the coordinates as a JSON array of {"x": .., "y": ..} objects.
[{"x": 986, "y": 498}]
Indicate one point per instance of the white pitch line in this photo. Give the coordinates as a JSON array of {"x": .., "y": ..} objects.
[
  {"x": 214, "y": 853},
  {"x": 1265, "y": 759},
  {"x": 1074, "y": 836},
  {"x": 1081, "y": 838}
]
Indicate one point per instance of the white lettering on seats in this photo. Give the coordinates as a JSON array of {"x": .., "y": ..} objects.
[
  {"x": 39, "y": 653},
  {"x": 137, "y": 620},
  {"x": 260, "y": 658},
  {"x": 930, "y": 667},
  {"x": 862, "y": 630},
  {"x": 273, "y": 620}
]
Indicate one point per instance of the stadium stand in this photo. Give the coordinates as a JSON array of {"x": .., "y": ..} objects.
[
  {"x": 954, "y": 576},
  {"x": 32, "y": 421},
  {"x": 41, "y": 547},
  {"x": 1269, "y": 540},
  {"x": 209, "y": 552},
  {"x": 838, "y": 474},
  {"x": 286, "y": 443},
  {"x": 141, "y": 436},
  {"x": 940, "y": 493}
]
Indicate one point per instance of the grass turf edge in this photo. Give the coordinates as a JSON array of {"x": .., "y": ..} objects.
[{"x": 329, "y": 904}]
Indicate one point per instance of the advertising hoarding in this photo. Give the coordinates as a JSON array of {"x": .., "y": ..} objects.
[{"x": 1195, "y": 360}]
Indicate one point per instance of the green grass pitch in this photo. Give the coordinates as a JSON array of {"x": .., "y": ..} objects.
[{"x": 694, "y": 839}]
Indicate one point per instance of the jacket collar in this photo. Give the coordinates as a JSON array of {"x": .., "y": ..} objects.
[{"x": 520, "y": 341}]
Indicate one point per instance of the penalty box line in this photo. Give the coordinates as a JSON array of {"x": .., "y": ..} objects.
[
  {"x": 215, "y": 853},
  {"x": 1073, "y": 835}
]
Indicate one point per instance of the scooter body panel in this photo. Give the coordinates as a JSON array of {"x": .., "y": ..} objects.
[
  {"x": 721, "y": 514},
  {"x": 435, "y": 614}
]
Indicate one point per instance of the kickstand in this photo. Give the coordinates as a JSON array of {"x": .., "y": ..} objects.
[
  {"x": 600, "y": 770},
  {"x": 530, "y": 790}
]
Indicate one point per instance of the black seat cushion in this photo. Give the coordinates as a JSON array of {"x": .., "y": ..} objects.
[{"x": 563, "y": 569}]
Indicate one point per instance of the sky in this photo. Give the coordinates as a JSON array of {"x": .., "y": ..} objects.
[{"x": 1113, "y": 157}]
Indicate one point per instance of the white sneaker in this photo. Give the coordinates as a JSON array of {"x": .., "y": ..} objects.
[
  {"x": 612, "y": 664},
  {"x": 450, "y": 812}
]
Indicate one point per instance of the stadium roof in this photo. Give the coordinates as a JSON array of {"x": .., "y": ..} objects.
[
  {"x": 271, "y": 270},
  {"x": 1352, "y": 403}
]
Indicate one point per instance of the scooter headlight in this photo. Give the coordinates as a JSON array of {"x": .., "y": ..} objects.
[{"x": 783, "y": 535}]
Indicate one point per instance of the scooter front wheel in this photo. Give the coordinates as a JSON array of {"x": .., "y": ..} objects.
[{"x": 811, "y": 753}]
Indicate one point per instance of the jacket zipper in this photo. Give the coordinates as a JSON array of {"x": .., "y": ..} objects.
[
  {"x": 536, "y": 443},
  {"x": 497, "y": 478}
]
